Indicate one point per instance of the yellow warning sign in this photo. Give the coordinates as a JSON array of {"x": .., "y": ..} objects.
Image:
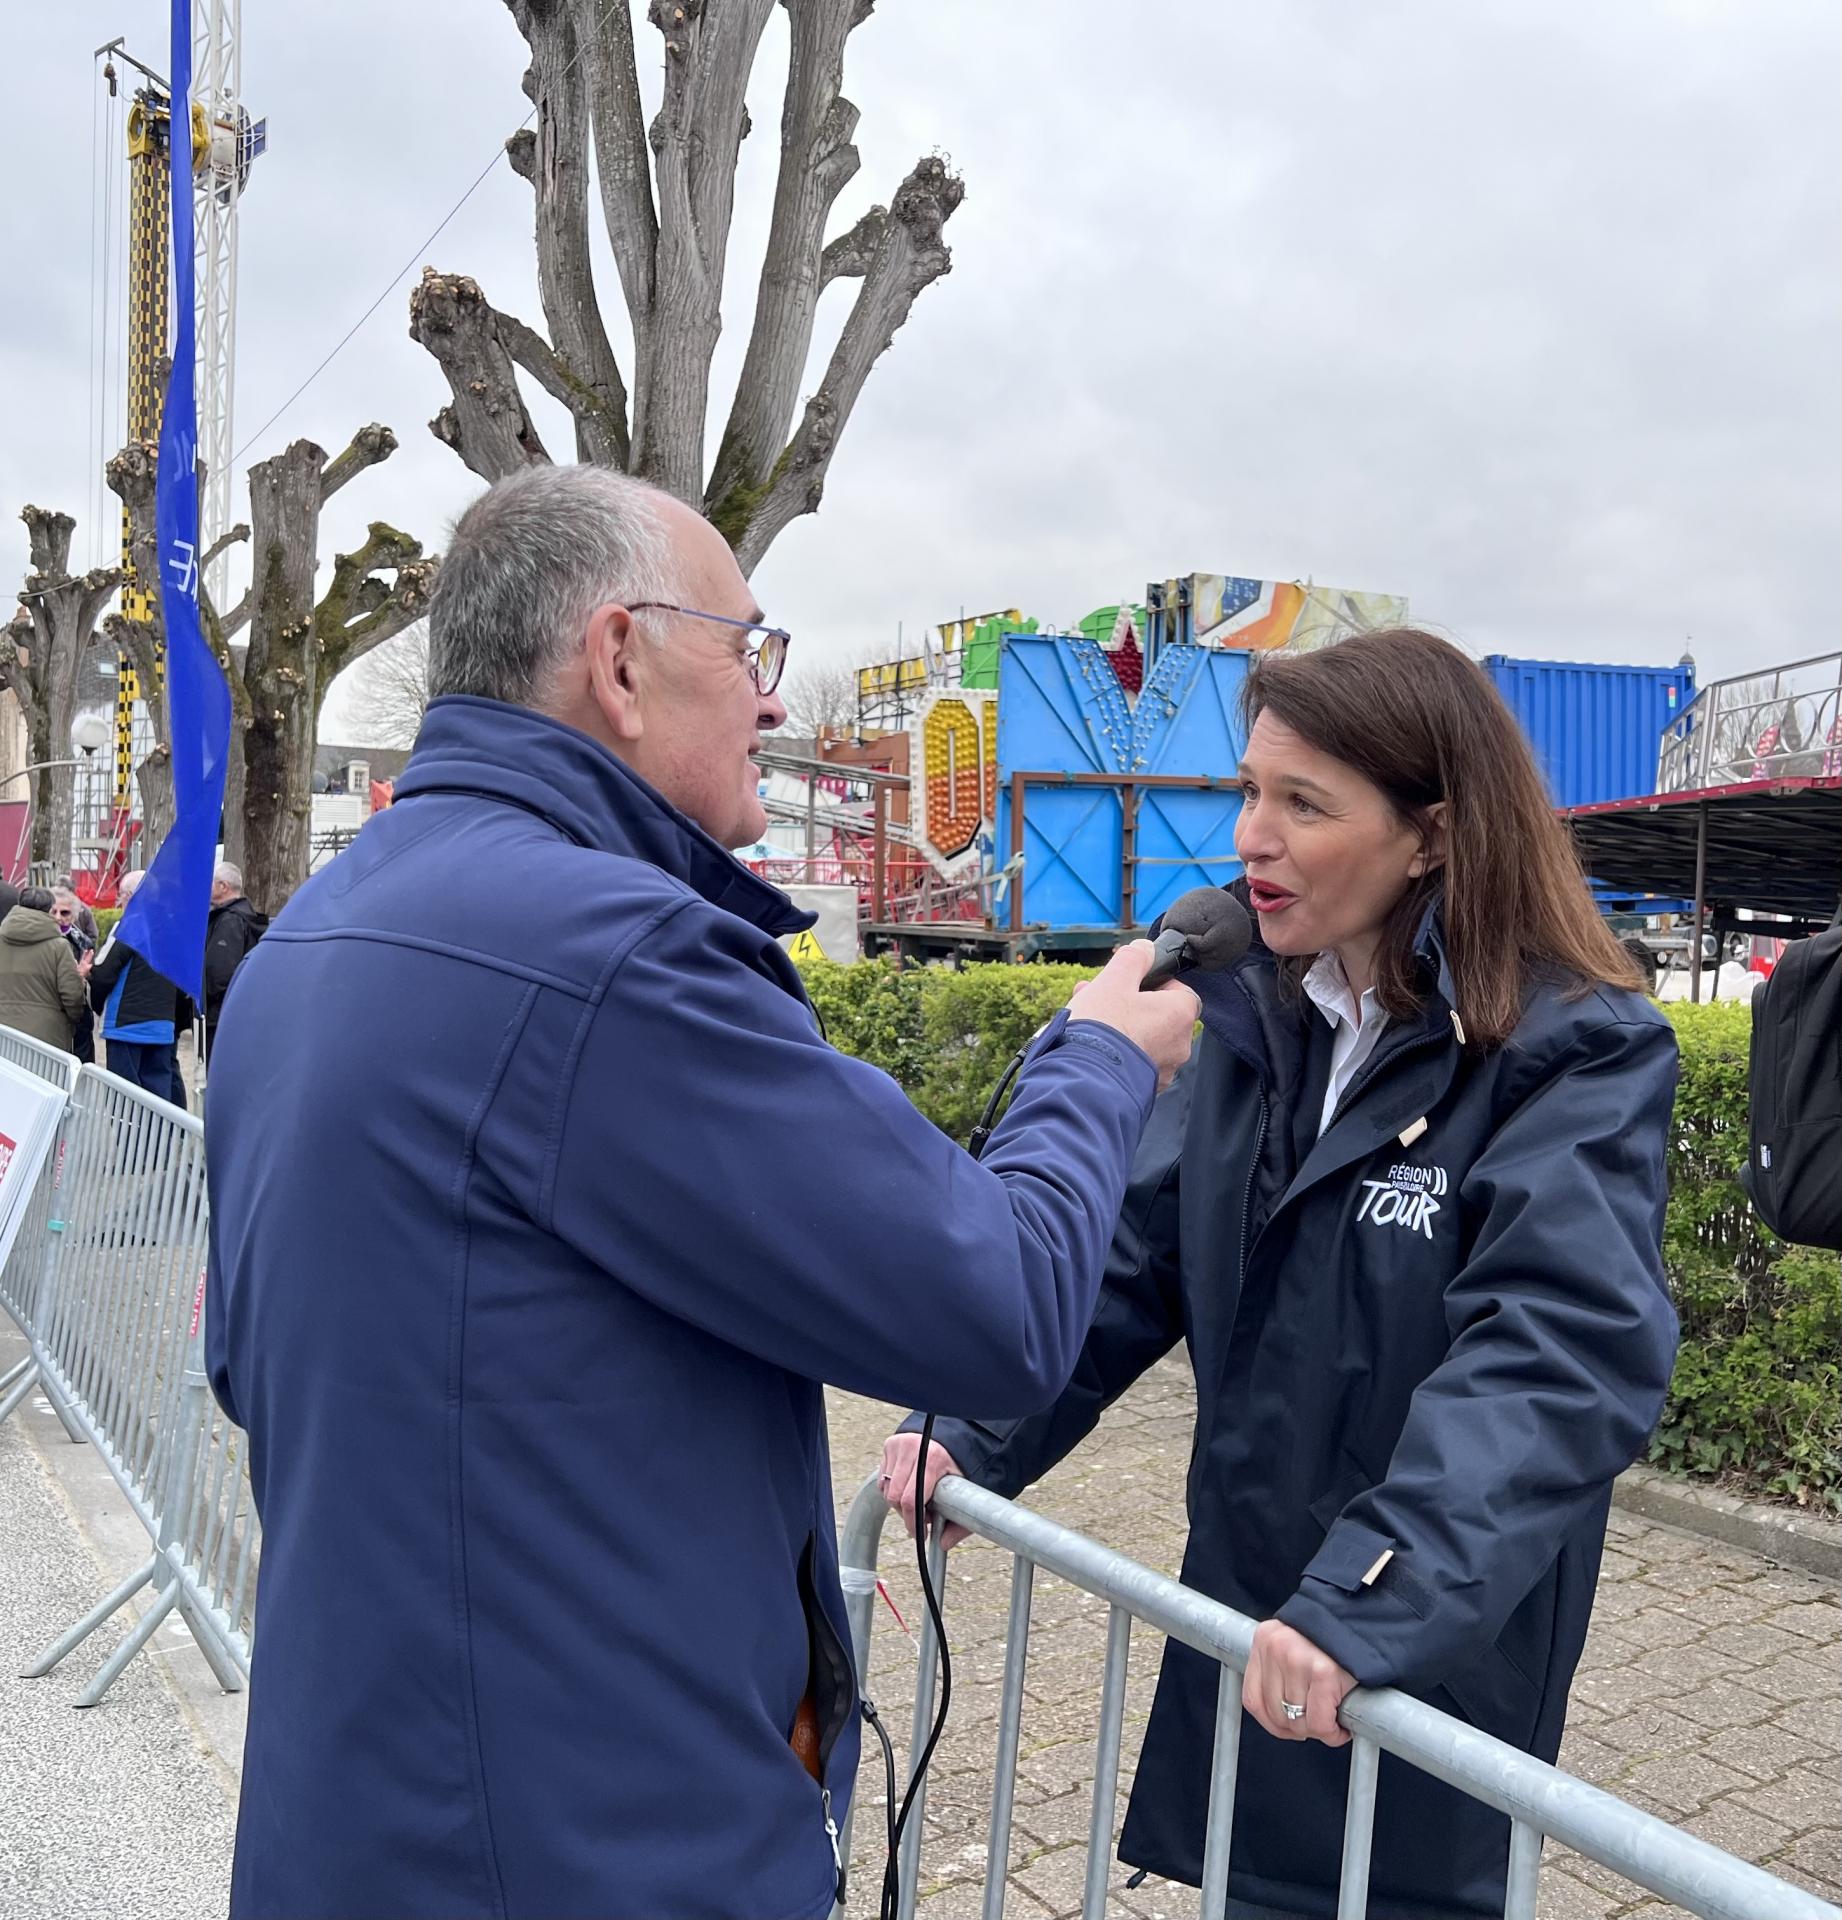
[{"x": 805, "y": 946}]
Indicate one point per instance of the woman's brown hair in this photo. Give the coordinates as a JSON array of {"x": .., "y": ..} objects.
[{"x": 1411, "y": 713}]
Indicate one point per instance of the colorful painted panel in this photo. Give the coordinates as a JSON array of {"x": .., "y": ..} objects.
[{"x": 1229, "y": 610}]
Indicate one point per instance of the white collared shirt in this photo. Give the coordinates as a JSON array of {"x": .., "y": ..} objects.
[{"x": 1358, "y": 1028}]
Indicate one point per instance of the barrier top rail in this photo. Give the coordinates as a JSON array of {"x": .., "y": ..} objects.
[{"x": 1539, "y": 1799}]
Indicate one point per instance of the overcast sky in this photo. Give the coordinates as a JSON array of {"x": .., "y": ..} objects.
[{"x": 1527, "y": 311}]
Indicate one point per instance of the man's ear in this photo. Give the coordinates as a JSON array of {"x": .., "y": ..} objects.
[
  {"x": 1431, "y": 856},
  {"x": 615, "y": 652}
]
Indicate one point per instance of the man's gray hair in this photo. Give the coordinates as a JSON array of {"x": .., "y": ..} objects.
[
  {"x": 530, "y": 560},
  {"x": 229, "y": 875}
]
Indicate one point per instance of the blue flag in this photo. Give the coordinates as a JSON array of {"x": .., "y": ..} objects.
[{"x": 165, "y": 921}]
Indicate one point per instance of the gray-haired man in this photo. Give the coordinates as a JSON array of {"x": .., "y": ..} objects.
[{"x": 529, "y": 1257}]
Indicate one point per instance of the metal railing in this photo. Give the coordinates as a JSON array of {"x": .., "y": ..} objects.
[
  {"x": 115, "y": 1257},
  {"x": 1540, "y": 1800},
  {"x": 22, "y": 1277},
  {"x": 1782, "y": 725}
]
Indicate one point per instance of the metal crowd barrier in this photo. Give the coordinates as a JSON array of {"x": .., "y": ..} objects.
[
  {"x": 22, "y": 1277},
  {"x": 116, "y": 1332},
  {"x": 1540, "y": 1800}
]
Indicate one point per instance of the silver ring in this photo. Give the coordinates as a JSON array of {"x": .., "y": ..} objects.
[{"x": 1290, "y": 1711}]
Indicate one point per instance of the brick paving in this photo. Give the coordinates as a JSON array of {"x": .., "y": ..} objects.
[{"x": 1710, "y": 1692}]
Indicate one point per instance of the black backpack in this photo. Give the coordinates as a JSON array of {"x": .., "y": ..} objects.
[{"x": 1794, "y": 1087}]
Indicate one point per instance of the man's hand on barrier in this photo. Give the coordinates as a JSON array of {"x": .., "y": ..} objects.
[
  {"x": 898, "y": 1480},
  {"x": 1285, "y": 1666},
  {"x": 1161, "y": 1021}
]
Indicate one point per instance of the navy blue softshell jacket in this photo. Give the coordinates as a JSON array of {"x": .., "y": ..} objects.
[
  {"x": 1438, "y": 1336},
  {"x": 540, "y": 1211}
]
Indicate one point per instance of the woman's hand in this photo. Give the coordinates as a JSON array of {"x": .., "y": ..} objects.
[
  {"x": 900, "y": 1451},
  {"x": 1285, "y": 1666}
]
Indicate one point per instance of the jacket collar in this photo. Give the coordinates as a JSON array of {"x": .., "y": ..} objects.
[{"x": 510, "y": 754}]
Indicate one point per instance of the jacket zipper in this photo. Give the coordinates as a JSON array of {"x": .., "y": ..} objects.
[
  {"x": 831, "y": 1834},
  {"x": 1253, "y": 1173}
]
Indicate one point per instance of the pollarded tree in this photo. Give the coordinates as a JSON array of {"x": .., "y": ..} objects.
[
  {"x": 42, "y": 651},
  {"x": 296, "y": 644},
  {"x": 667, "y": 195}
]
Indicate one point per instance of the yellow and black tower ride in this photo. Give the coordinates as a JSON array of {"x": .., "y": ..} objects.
[{"x": 150, "y": 212}]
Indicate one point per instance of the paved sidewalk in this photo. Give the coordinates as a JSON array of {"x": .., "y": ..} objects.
[
  {"x": 118, "y": 1813},
  {"x": 1710, "y": 1693}
]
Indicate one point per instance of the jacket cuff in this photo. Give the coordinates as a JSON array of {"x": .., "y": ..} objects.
[
  {"x": 1360, "y": 1603},
  {"x": 976, "y": 1450},
  {"x": 1133, "y": 1066}
]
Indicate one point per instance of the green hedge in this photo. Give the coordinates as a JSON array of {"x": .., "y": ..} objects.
[
  {"x": 1757, "y": 1390},
  {"x": 106, "y": 918}
]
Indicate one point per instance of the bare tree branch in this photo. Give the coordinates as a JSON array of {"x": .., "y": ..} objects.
[
  {"x": 848, "y": 257},
  {"x": 360, "y": 610},
  {"x": 370, "y": 446},
  {"x": 817, "y": 161},
  {"x": 554, "y": 159},
  {"x": 389, "y": 688},
  {"x": 487, "y": 424},
  {"x": 911, "y": 256},
  {"x": 222, "y": 544},
  {"x": 709, "y": 53},
  {"x": 622, "y": 161}
]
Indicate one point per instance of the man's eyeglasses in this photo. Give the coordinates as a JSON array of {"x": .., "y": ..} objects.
[{"x": 767, "y": 658}]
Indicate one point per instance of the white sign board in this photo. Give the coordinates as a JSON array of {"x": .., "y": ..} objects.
[{"x": 30, "y": 1109}]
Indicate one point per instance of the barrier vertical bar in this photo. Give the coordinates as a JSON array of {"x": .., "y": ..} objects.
[
  {"x": 1106, "y": 1762},
  {"x": 926, "y": 1669},
  {"x": 1223, "y": 1773},
  {"x": 1524, "y": 1871},
  {"x": 1010, "y": 1727},
  {"x": 1358, "y": 1830}
]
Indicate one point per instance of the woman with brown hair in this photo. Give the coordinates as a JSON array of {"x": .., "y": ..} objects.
[{"x": 1405, "y": 1208}]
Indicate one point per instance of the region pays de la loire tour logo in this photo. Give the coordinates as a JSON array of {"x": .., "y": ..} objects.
[{"x": 1409, "y": 1198}]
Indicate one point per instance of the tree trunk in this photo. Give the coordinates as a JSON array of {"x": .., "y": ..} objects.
[
  {"x": 296, "y": 648},
  {"x": 154, "y": 778},
  {"x": 279, "y": 674},
  {"x": 50, "y": 637}
]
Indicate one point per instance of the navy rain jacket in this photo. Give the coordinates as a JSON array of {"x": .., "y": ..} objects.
[
  {"x": 540, "y": 1209},
  {"x": 1441, "y": 1341}
]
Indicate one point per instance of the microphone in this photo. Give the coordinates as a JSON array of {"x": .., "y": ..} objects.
[{"x": 1204, "y": 930}]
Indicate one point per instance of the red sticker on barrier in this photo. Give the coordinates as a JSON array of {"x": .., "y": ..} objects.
[{"x": 198, "y": 1303}]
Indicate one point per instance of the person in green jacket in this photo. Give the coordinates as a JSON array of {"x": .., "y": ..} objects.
[{"x": 42, "y": 992}]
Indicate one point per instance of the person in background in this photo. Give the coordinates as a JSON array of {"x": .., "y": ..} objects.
[
  {"x": 1405, "y": 1210},
  {"x": 9, "y": 898},
  {"x": 41, "y": 980},
  {"x": 234, "y": 928},
  {"x": 70, "y": 914},
  {"x": 143, "y": 1013},
  {"x": 80, "y": 916}
]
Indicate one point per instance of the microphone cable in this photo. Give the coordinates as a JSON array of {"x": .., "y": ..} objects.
[{"x": 898, "y": 1821}]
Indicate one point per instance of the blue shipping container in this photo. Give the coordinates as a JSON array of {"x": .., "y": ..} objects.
[{"x": 1595, "y": 728}]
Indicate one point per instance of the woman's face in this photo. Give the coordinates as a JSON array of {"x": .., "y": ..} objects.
[{"x": 1327, "y": 856}]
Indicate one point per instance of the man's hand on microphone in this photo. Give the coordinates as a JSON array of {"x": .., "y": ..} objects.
[
  {"x": 1160, "y": 1021},
  {"x": 900, "y": 1451}
]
